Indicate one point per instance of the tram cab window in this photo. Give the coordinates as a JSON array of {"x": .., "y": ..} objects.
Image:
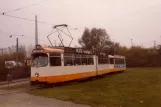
[
  {"x": 111, "y": 60},
  {"x": 39, "y": 60},
  {"x": 55, "y": 59}
]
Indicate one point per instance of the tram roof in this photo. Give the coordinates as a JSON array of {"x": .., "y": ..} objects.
[
  {"x": 41, "y": 49},
  {"x": 60, "y": 49}
]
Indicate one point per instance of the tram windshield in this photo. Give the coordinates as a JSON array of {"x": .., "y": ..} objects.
[{"x": 39, "y": 60}]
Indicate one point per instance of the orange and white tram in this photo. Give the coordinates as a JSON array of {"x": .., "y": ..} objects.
[{"x": 53, "y": 65}]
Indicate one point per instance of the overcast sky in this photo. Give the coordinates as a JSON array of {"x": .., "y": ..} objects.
[{"x": 124, "y": 20}]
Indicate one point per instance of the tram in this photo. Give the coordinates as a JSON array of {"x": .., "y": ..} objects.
[{"x": 61, "y": 64}]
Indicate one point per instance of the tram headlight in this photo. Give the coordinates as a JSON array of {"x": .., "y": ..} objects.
[{"x": 36, "y": 74}]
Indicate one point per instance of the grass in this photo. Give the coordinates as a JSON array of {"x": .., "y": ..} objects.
[{"x": 138, "y": 87}]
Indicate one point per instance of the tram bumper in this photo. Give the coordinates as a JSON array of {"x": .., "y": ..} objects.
[{"x": 38, "y": 80}]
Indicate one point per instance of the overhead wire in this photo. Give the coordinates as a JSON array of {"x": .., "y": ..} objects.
[
  {"x": 76, "y": 29},
  {"x": 17, "y": 17},
  {"x": 24, "y": 7},
  {"x": 10, "y": 33},
  {"x": 26, "y": 19},
  {"x": 19, "y": 35},
  {"x": 6, "y": 13},
  {"x": 31, "y": 20}
]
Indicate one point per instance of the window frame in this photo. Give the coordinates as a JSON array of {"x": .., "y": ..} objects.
[
  {"x": 102, "y": 60},
  {"x": 39, "y": 54},
  {"x": 79, "y": 59},
  {"x": 68, "y": 56},
  {"x": 57, "y": 55},
  {"x": 113, "y": 60}
]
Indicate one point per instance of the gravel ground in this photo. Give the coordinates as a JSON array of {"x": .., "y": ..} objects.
[{"x": 25, "y": 100}]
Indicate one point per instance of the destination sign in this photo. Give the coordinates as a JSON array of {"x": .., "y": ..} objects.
[
  {"x": 82, "y": 51},
  {"x": 36, "y": 50},
  {"x": 77, "y": 50},
  {"x": 69, "y": 50}
]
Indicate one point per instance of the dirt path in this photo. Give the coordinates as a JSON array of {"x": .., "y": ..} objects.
[{"x": 25, "y": 100}]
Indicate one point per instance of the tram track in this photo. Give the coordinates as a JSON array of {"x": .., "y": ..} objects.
[
  {"x": 40, "y": 87},
  {"x": 8, "y": 91}
]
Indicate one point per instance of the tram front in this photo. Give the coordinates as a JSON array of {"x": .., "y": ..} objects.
[{"x": 39, "y": 63}]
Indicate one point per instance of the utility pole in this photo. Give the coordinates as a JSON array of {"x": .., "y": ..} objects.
[
  {"x": 131, "y": 43},
  {"x": 154, "y": 44},
  {"x": 36, "y": 32},
  {"x": 2, "y": 50},
  {"x": 160, "y": 37},
  {"x": 17, "y": 51}
]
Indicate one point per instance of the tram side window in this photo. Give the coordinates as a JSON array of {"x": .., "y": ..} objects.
[
  {"x": 102, "y": 60},
  {"x": 99, "y": 61},
  {"x": 90, "y": 60},
  {"x": 55, "y": 59},
  {"x": 116, "y": 61},
  {"x": 122, "y": 61},
  {"x": 111, "y": 60},
  {"x": 68, "y": 60},
  {"x": 119, "y": 61},
  {"x": 77, "y": 60},
  {"x": 84, "y": 59}
]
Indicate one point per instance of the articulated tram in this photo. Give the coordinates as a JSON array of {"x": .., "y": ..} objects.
[{"x": 60, "y": 64}]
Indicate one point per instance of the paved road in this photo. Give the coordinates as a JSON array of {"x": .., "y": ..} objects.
[
  {"x": 25, "y": 100},
  {"x": 15, "y": 83}
]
